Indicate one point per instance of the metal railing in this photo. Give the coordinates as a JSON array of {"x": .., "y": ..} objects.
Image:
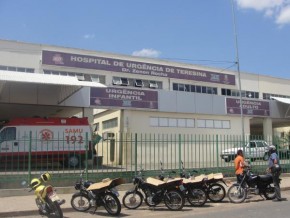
[{"x": 123, "y": 155}]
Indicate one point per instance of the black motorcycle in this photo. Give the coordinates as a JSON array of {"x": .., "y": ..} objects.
[
  {"x": 251, "y": 183},
  {"x": 97, "y": 194},
  {"x": 210, "y": 184},
  {"x": 155, "y": 191}
]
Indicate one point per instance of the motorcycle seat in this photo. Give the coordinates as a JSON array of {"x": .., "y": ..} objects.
[
  {"x": 265, "y": 177},
  {"x": 105, "y": 183},
  {"x": 197, "y": 179}
]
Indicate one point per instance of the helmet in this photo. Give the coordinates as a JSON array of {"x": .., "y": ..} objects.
[
  {"x": 45, "y": 177},
  {"x": 272, "y": 148},
  {"x": 35, "y": 183}
]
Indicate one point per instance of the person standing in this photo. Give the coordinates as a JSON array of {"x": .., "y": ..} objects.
[
  {"x": 275, "y": 169},
  {"x": 239, "y": 165}
]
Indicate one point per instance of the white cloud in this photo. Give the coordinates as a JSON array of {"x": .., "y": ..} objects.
[
  {"x": 259, "y": 5},
  {"x": 278, "y": 9},
  {"x": 147, "y": 52},
  {"x": 284, "y": 16},
  {"x": 89, "y": 36}
]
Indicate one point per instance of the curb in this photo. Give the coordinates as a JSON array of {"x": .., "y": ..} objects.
[{"x": 59, "y": 190}]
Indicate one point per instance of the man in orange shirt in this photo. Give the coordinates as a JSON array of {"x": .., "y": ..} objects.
[{"x": 239, "y": 165}]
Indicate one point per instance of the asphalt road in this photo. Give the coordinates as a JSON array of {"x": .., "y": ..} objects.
[{"x": 254, "y": 207}]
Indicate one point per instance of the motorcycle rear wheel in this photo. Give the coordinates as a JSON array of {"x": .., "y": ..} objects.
[
  {"x": 216, "y": 192},
  {"x": 132, "y": 199},
  {"x": 80, "y": 202},
  {"x": 196, "y": 197},
  {"x": 237, "y": 194},
  {"x": 174, "y": 200},
  {"x": 269, "y": 192},
  {"x": 54, "y": 209},
  {"x": 112, "y": 204}
]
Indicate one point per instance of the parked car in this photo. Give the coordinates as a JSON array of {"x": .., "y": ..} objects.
[{"x": 254, "y": 149}]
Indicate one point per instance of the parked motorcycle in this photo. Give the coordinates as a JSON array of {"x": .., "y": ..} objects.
[
  {"x": 97, "y": 194},
  {"x": 46, "y": 200},
  {"x": 194, "y": 188},
  {"x": 210, "y": 184},
  {"x": 251, "y": 183},
  {"x": 155, "y": 191}
]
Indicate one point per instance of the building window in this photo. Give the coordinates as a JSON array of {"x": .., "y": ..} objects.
[
  {"x": 17, "y": 69},
  {"x": 154, "y": 121},
  {"x": 139, "y": 83},
  {"x": 236, "y": 93},
  {"x": 193, "y": 88},
  {"x": 171, "y": 122},
  {"x": 97, "y": 127},
  {"x": 213, "y": 124},
  {"x": 153, "y": 85},
  {"x": 268, "y": 96},
  {"x": 110, "y": 123}
]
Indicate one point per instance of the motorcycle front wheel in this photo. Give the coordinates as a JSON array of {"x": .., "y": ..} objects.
[
  {"x": 112, "y": 204},
  {"x": 132, "y": 199},
  {"x": 80, "y": 202},
  {"x": 174, "y": 200},
  {"x": 237, "y": 194},
  {"x": 216, "y": 192},
  {"x": 196, "y": 197},
  {"x": 54, "y": 209},
  {"x": 269, "y": 192}
]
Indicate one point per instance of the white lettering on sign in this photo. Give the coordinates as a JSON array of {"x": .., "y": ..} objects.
[
  {"x": 191, "y": 73},
  {"x": 68, "y": 131},
  {"x": 90, "y": 60}
]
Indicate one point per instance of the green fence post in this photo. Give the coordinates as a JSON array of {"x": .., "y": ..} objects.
[
  {"x": 87, "y": 145},
  {"x": 135, "y": 154},
  {"x": 179, "y": 152},
  {"x": 217, "y": 150},
  {"x": 29, "y": 156}
]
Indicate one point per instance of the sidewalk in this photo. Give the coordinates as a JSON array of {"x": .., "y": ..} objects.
[{"x": 16, "y": 205}]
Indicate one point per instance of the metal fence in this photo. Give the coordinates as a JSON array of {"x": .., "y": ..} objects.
[{"x": 123, "y": 155}]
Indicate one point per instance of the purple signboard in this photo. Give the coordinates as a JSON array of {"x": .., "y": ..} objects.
[
  {"x": 250, "y": 107},
  {"x": 124, "y": 98},
  {"x": 141, "y": 68}
]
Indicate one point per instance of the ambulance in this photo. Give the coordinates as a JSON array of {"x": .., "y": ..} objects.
[{"x": 63, "y": 140}]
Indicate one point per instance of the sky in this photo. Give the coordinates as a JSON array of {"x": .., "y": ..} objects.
[{"x": 201, "y": 32}]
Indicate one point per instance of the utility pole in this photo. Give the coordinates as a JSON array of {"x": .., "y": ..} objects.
[{"x": 239, "y": 73}]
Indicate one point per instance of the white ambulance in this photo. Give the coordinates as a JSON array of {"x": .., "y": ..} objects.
[{"x": 63, "y": 140}]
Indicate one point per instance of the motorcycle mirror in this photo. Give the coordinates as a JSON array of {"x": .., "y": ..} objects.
[{"x": 23, "y": 183}]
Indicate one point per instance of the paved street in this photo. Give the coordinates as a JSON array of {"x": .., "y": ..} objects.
[{"x": 255, "y": 206}]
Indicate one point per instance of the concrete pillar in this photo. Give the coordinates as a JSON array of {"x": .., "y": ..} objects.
[
  {"x": 89, "y": 113},
  {"x": 267, "y": 129}
]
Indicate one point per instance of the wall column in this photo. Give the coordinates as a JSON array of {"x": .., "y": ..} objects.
[
  {"x": 267, "y": 129},
  {"x": 89, "y": 113}
]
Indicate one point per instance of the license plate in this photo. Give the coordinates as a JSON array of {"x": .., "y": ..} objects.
[
  {"x": 53, "y": 196},
  {"x": 226, "y": 156}
]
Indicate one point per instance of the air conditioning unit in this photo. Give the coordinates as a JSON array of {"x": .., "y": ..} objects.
[
  {"x": 121, "y": 81},
  {"x": 80, "y": 77},
  {"x": 153, "y": 85},
  {"x": 124, "y": 82},
  {"x": 108, "y": 136},
  {"x": 117, "y": 81},
  {"x": 139, "y": 83}
]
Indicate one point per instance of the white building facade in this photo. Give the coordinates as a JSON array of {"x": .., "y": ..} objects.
[{"x": 141, "y": 95}]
